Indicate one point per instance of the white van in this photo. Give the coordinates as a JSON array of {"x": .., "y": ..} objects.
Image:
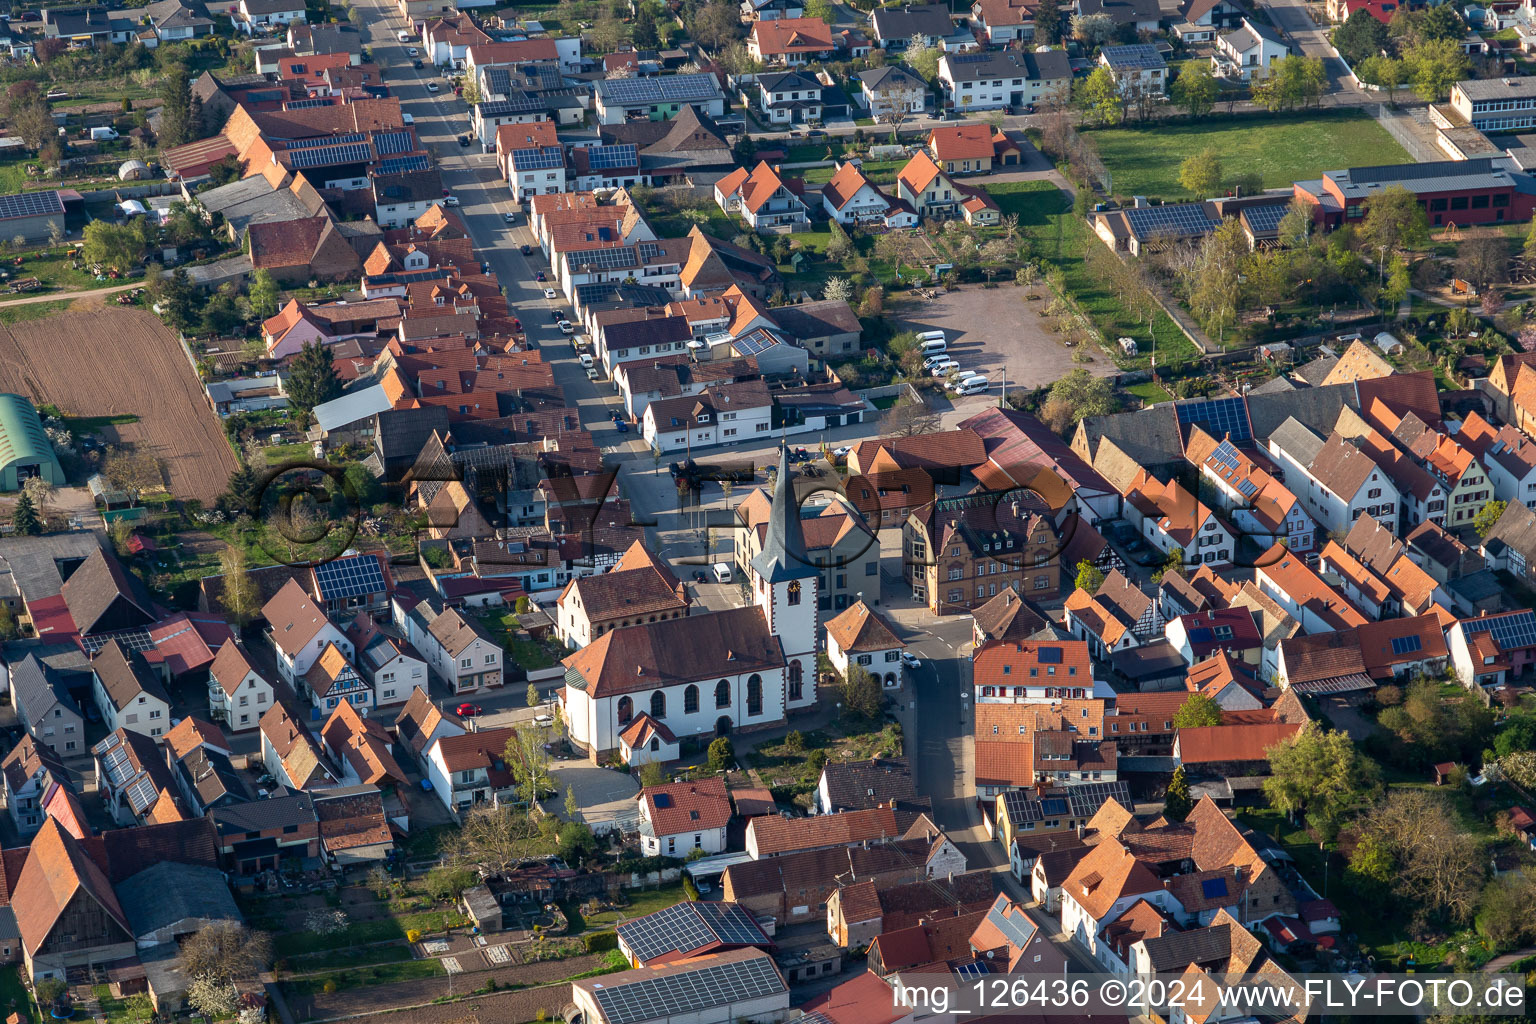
[
  {"x": 945, "y": 368},
  {"x": 931, "y": 346},
  {"x": 721, "y": 571},
  {"x": 934, "y": 360},
  {"x": 963, "y": 378},
  {"x": 402, "y": 37},
  {"x": 103, "y": 134},
  {"x": 973, "y": 386},
  {"x": 931, "y": 336}
]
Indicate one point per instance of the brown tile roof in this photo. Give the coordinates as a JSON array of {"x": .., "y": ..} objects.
[
  {"x": 676, "y": 651},
  {"x": 363, "y": 743},
  {"x": 760, "y": 185},
  {"x": 351, "y": 821},
  {"x": 783, "y": 36},
  {"x": 124, "y": 675},
  {"x": 845, "y": 184},
  {"x": 1065, "y": 664},
  {"x": 1359, "y": 362},
  {"x": 57, "y": 869},
  {"x": 1219, "y": 743},
  {"x": 775, "y": 836},
  {"x": 626, "y": 592},
  {"x": 1106, "y": 874},
  {"x": 284, "y": 728},
  {"x": 456, "y": 632},
  {"x": 901, "y": 906},
  {"x": 961, "y": 142},
  {"x": 859, "y": 628},
  {"x": 678, "y": 807},
  {"x": 483, "y": 749},
  {"x": 192, "y": 732},
  {"x": 294, "y": 617},
  {"x": 944, "y": 939},
  {"x": 1009, "y": 618},
  {"x": 918, "y": 173}
]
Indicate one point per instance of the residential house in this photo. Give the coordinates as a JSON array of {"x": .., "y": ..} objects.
[
  {"x": 659, "y": 98},
  {"x": 132, "y": 776},
  {"x": 446, "y": 40},
  {"x": 1042, "y": 811},
  {"x": 1230, "y": 750},
  {"x": 1177, "y": 523},
  {"x": 790, "y": 41},
  {"x": 128, "y": 693},
  {"x": 1115, "y": 617},
  {"x": 863, "y": 785},
  {"x": 1492, "y": 650},
  {"x": 789, "y": 97},
  {"x": 259, "y": 17},
  {"x": 290, "y": 751},
  {"x": 639, "y": 588},
  {"x": 1508, "y": 455},
  {"x": 332, "y": 680},
  {"x": 389, "y": 665},
  {"x": 44, "y": 707},
  {"x": 960, "y": 553},
  {"x": 32, "y": 773},
  {"x": 891, "y": 92},
  {"x": 300, "y": 631},
  {"x": 238, "y": 694},
  {"x": 860, "y": 636},
  {"x": 924, "y": 187},
  {"x": 1360, "y": 658},
  {"x": 1255, "y": 501},
  {"x": 65, "y": 908},
  {"x": 353, "y": 828},
  {"x": 260, "y": 835},
  {"x": 459, "y": 650},
  {"x": 689, "y": 929},
  {"x": 1206, "y": 634},
  {"x": 361, "y": 746},
  {"x": 720, "y": 414},
  {"x": 763, "y": 198},
  {"x": 1000, "y": 22},
  {"x": 1296, "y": 587},
  {"x": 768, "y": 10},
  {"x": 1248, "y": 52},
  {"x": 1041, "y": 666},
  {"x": 1336, "y": 481},
  {"x": 774, "y": 836},
  {"x": 1003, "y": 80},
  {"x": 968, "y": 148},
  {"x": 859, "y": 913},
  {"x": 422, "y": 723},
  {"x": 468, "y": 769},
  {"x": 679, "y": 817},
  {"x": 1139, "y": 70}
]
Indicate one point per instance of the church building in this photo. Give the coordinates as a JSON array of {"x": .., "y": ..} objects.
[{"x": 713, "y": 673}]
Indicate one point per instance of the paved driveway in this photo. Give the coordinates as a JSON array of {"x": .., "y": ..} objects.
[{"x": 602, "y": 794}]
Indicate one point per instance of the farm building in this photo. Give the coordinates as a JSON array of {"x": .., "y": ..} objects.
[
  {"x": 32, "y": 216},
  {"x": 25, "y": 450}
]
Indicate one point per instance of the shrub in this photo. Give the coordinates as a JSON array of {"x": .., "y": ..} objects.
[
  {"x": 330, "y": 986},
  {"x": 413, "y": 936},
  {"x": 600, "y": 942}
]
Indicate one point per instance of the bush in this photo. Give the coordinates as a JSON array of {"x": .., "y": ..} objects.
[
  {"x": 330, "y": 986},
  {"x": 413, "y": 936},
  {"x": 600, "y": 942}
]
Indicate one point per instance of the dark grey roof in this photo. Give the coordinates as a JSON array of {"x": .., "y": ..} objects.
[
  {"x": 1122, "y": 12},
  {"x": 874, "y": 78},
  {"x": 1250, "y": 35},
  {"x": 1297, "y": 441},
  {"x": 1148, "y": 436},
  {"x": 1317, "y": 408},
  {"x": 691, "y": 131},
  {"x": 165, "y": 893},
  {"x": 290, "y": 808},
  {"x": 1175, "y": 951},
  {"x": 1435, "y": 176},
  {"x": 1476, "y": 586},
  {"x": 1137, "y": 57},
  {"x": 1317, "y": 370},
  {"x": 37, "y": 688},
  {"x": 408, "y": 186},
  {"x": 1071, "y": 801},
  {"x": 35, "y": 562},
  {"x": 908, "y": 21},
  {"x": 859, "y": 785},
  {"x": 788, "y": 80},
  {"x": 784, "y": 555},
  {"x": 101, "y": 583},
  {"x": 400, "y": 433},
  {"x": 975, "y": 67}
]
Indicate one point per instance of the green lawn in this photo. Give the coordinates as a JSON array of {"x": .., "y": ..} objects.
[
  {"x": 881, "y": 172},
  {"x": 361, "y": 933},
  {"x": 1149, "y": 392},
  {"x": 1144, "y": 161},
  {"x": 530, "y": 654},
  {"x": 32, "y": 310},
  {"x": 331, "y": 960},
  {"x": 14, "y": 997},
  {"x": 122, "y": 1011},
  {"x": 377, "y": 974},
  {"x": 1061, "y": 238},
  {"x": 642, "y": 902}
]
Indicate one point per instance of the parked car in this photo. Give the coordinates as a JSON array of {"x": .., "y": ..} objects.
[
  {"x": 843, "y": 452},
  {"x": 417, "y": 64},
  {"x": 620, "y": 425},
  {"x": 450, "y": 200},
  {"x": 538, "y": 275},
  {"x": 557, "y": 314},
  {"x": 566, "y": 327},
  {"x": 526, "y": 250},
  {"x": 591, "y": 373},
  {"x": 700, "y": 576},
  {"x": 464, "y": 140},
  {"x": 510, "y": 218},
  {"x": 411, "y": 51},
  {"x": 468, "y": 710},
  {"x": 910, "y": 660},
  {"x": 549, "y": 293},
  {"x": 431, "y": 87},
  {"x": 585, "y": 360}
]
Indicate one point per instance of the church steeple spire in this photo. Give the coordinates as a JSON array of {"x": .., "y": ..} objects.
[{"x": 784, "y": 555}]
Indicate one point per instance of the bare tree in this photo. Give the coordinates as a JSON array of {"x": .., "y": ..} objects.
[
  {"x": 133, "y": 472},
  {"x": 226, "y": 951},
  {"x": 492, "y": 837},
  {"x": 1438, "y": 865},
  {"x": 907, "y": 419}
]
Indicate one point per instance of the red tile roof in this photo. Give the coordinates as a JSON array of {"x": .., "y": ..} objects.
[
  {"x": 679, "y": 807},
  {"x": 1218, "y": 743}
]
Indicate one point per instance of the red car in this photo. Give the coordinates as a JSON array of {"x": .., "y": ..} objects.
[{"x": 469, "y": 710}]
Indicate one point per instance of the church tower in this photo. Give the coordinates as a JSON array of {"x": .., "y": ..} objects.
[{"x": 785, "y": 585}]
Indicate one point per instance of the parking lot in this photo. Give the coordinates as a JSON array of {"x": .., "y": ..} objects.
[{"x": 992, "y": 330}]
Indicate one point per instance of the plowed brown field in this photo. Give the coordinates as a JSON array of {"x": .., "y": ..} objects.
[{"x": 112, "y": 362}]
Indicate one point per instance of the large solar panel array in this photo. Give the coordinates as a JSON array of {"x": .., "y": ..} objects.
[
  {"x": 349, "y": 577},
  {"x": 118, "y": 767},
  {"x": 329, "y": 156},
  {"x": 30, "y": 204},
  {"x": 685, "y": 927},
  {"x": 304, "y": 104},
  {"x": 648, "y": 250},
  {"x": 755, "y": 342},
  {"x": 142, "y": 795},
  {"x": 1264, "y": 220},
  {"x": 1136, "y": 56},
  {"x": 1226, "y": 455},
  {"x": 605, "y": 157},
  {"x": 672, "y": 89},
  {"x": 392, "y": 143},
  {"x": 1220, "y": 417},
  {"x": 601, "y": 259},
  {"x": 673, "y": 995},
  {"x": 1175, "y": 220},
  {"x": 1077, "y": 802},
  {"x": 128, "y": 639},
  {"x": 1517, "y": 629},
  {"x": 544, "y": 159},
  {"x": 327, "y": 140},
  {"x": 511, "y": 105},
  {"x": 398, "y": 164}
]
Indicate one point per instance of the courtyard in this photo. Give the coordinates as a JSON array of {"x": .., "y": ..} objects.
[{"x": 997, "y": 330}]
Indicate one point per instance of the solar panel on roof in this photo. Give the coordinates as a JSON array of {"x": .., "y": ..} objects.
[
  {"x": 30, "y": 204},
  {"x": 1517, "y": 629},
  {"x": 672, "y": 995},
  {"x": 400, "y": 164},
  {"x": 662, "y": 799},
  {"x": 974, "y": 969},
  {"x": 1175, "y": 220},
  {"x": 1213, "y": 888},
  {"x": 344, "y": 578},
  {"x": 1226, "y": 455},
  {"x": 130, "y": 639},
  {"x": 1265, "y": 219},
  {"x": 1220, "y": 417},
  {"x": 390, "y": 143},
  {"x": 1049, "y": 655},
  {"x": 671, "y": 88},
  {"x": 1407, "y": 644},
  {"x": 330, "y": 156},
  {"x": 1053, "y": 805},
  {"x": 685, "y": 927},
  {"x": 294, "y": 104},
  {"x": 755, "y": 342},
  {"x": 1247, "y": 488},
  {"x": 604, "y": 157},
  {"x": 327, "y": 140},
  {"x": 601, "y": 259},
  {"x": 543, "y": 159},
  {"x": 142, "y": 795}
]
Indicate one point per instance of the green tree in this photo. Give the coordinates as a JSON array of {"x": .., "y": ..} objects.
[
  {"x": 923, "y": 59},
  {"x": 225, "y": 170},
  {"x": 1442, "y": 23},
  {"x": 571, "y": 806},
  {"x": 532, "y": 696},
  {"x": 1048, "y": 23},
  {"x": 177, "y": 124},
  {"x": 1196, "y": 88},
  {"x": 721, "y": 754},
  {"x": 24, "y": 518},
  {"x": 1177, "y": 803},
  {"x": 577, "y": 843},
  {"x": 8, "y": 627},
  {"x": 312, "y": 378},
  {"x": 1434, "y": 66},
  {"x": 117, "y": 246},
  {"x": 1197, "y": 711},
  {"x": 1086, "y": 394},
  {"x": 1101, "y": 96},
  {"x": 821, "y": 9},
  {"x": 264, "y": 293},
  {"x": 1394, "y": 220},
  {"x": 1200, "y": 174},
  {"x": 652, "y": 774},
  {"x": 237, "y": 592},
  {"x": 528, "y": 763},
  {"x": 1292, "y": 82},
  {"x": 1320, "y": 775},
  {"x": 1089, "y": 578},
  {"x": 861, "y": 692},
  {"x": 645, "y": 35},
  {"x": 444, "y": 882},
  {"x": 1399, "y": 281},
  {"x": 839, "y": 245},
  {"x": 1387, "y": 72},
  {"x": 362, "y": 486},
  {"x": 1487, "y": 516},
  {"x": 177, "y": 297},
  {"x": 1360, "y": 38}
]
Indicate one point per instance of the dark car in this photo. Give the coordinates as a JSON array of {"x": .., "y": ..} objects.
[
  {"x": 417, "y": 64},
  {"x": 699, "y": 576},
  {"x": 1149, "y": 558},
  {"x": 527, "y": 250},
  {"x": 463, "y": 140},
  {"x": 539, "y": 276},
  {"x": 557, "y": 315}
]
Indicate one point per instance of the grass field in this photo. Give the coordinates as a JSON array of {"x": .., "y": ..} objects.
[
  {"x": 641, "y": 902},
  {"x": 1061, "y": 238},
  {"x": 1144, "y": 161},
  {"x": 361, "y": 933}
]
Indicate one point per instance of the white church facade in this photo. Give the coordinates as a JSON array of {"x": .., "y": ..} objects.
[{"x": 714, "y": 673}]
